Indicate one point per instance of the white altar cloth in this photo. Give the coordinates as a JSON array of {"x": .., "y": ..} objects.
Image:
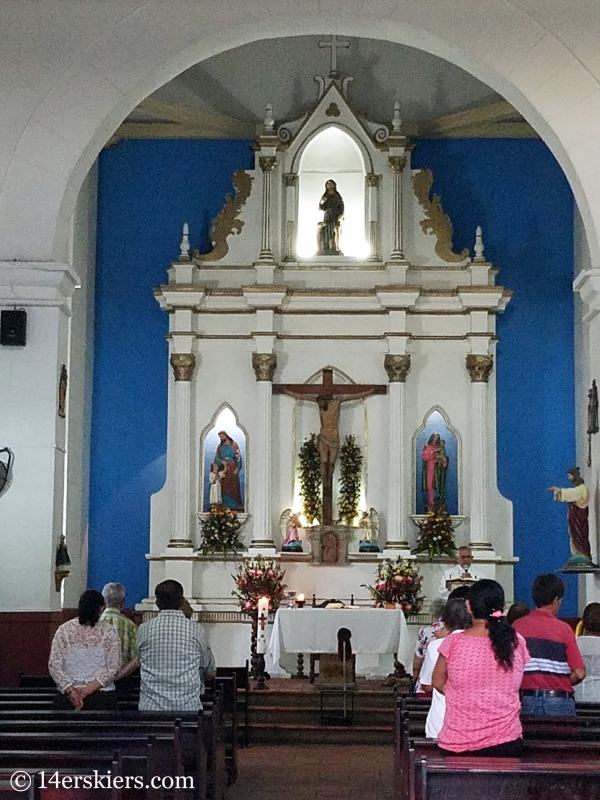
[{"x": 314, "y": 630}]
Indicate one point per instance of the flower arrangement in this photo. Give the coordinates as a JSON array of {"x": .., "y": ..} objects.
[
  {"x": 397, "y": 582},
  {"x": 220, "y": 531},
  {"x": 259, "y": 577},
  {"x": 350, "y": 474},
  {"x": 436, "y": 535},
  {"x": 310, "y": 479}
]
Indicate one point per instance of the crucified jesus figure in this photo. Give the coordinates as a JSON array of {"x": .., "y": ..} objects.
[{"x": 329, "y": 397}]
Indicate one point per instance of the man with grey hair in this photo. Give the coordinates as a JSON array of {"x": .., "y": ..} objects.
[
  {"x": 114, "y": 597},
  {"x": 461, "y": 571},
  {"x": 426, "y": 635}
]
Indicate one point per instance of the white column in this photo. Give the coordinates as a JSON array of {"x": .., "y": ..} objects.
[
  {"x": 373, "y": 214},
  {"x": 479, "y": 367},
  {"x": 397, "y": 164},
  {"x": 267, "y": 165},
  {"x": 291, "y": 214},
  {"x": 179, "y": 449},
  {"x": 260, "y": 504},
  {"x": 397, "y": 368}
]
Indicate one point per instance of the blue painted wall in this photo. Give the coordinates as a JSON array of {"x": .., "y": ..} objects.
[
  {"x": 147, "y": 190},
  {"x": 514, "y": 189},
  {"x": 517, "y": 192}
]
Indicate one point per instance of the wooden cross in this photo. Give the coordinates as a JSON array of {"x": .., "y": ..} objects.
[
  {"x": 334, "y": 44},
  {"x": 329, "y": 396},
  {"x": 263, "y": 621}
]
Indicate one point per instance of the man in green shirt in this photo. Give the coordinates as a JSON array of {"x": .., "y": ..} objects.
[{"x": 114, "y": 597}]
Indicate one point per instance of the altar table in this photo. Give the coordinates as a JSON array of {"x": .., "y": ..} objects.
[{"x": 314, "y": 630}]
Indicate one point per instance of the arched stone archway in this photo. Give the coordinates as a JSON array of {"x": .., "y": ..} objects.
[{"x": 72, "y": 83}]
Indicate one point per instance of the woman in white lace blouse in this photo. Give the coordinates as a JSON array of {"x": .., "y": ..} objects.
[{"x": 85, "y": 657}]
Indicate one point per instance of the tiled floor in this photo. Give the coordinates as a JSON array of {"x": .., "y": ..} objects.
[{"x": 314, "y": 772}]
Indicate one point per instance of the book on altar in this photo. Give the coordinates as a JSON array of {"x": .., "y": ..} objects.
[{"x": 464, "y": 580}]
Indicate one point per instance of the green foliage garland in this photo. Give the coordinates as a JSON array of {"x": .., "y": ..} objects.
[
  {"x": 220, "y": 531},
  {"x": 397, "y": 582},
  {"x": 310, "y": 479},
  {"x": 350, "y": 476},
  {"x": 436, "y": 535},
  {"x": 259, "y": 577}
]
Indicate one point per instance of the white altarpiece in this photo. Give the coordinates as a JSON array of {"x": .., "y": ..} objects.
[{"x": 406, "y": 311}]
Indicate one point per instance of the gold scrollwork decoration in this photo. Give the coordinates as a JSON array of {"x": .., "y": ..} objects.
[
  {"x": 373, "y": 179},
  {"x": 267, "y": 163},
  {"x": 264, "y": 365},
  {"x": 291, "y": 179},
  {"x": 226, "y": 222},
  {"x": 397, "y": 367},
  {"x": 183, "y": 365},
  {"x": 479, "y": 367},
  {"x": 437, "y": 222},
  {"x": 397, "y": 163}
]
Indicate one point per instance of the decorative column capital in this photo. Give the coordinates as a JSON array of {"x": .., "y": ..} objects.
[
  {"x": 397, "y": 163},
  {"x": 479, "y": 367},
  {"x": 397, "y": 367},
  {"x": 183, "y": 365},
  {"x": 291, "y": 179},
  {"x": 373, "y": 179},
  {"x": 264, "y": 365},
  {"x": 267, "y": 163}
]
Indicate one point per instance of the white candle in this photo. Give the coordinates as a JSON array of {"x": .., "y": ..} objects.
[
  {"x": 263, "y": 615},
  {"x": 300, "y": 598}
]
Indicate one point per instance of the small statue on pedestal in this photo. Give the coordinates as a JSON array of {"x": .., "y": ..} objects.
[
  {"x": 369, "y": 532},
  {"x": 328, "y": 231},
  {"x": 290, "y": 527}
]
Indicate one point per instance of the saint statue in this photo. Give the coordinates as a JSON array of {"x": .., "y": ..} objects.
[
  {"x": 290, "y": 526},
  {"x": 228, "y": 463},
  {"x": 578, "y": 498},
  {"x": 435, "y": 468},
  {"x": 369, "y": 532},
  {"x": 328, "y": 231}
]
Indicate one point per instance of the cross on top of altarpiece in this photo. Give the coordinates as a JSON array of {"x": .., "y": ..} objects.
[{"x": 328, "y": 388}]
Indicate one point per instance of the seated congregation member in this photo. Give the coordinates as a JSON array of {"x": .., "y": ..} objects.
[
  {"x": 455, "y": 619},
  {"x": 588, "y": 691},
  {"x": 85, "y": 657},
  {"x": 516, "y": 611},
  {"x": 173, "y": 656},
  {"x": 479, "y": 671},
  {"x": 427, "y": 634},
  {"x": 556, "y": 664}
]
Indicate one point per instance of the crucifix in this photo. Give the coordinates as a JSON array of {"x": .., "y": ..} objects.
[
  {"x": 329, "y": 396},
  {"x": 334, "y": 44}
]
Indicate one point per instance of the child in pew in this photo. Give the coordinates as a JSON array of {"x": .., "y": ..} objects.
[
  {"x": 455, "y": 619},
  {"x": 480, "y": 673}
]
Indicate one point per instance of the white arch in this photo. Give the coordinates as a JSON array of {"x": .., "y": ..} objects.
[{"x": 68, "y": 85}]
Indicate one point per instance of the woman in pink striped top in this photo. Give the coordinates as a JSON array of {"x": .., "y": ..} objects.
[{"x": 480, "y": 671}]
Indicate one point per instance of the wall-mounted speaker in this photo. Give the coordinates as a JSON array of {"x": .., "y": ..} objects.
[{"x": 13, "y": 328}]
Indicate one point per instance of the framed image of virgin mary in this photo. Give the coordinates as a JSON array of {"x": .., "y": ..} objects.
[
  {"x": 436, "y": 460},
  {"x": 224, "y": 464}
]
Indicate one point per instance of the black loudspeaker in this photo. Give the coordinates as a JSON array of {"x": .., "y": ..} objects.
[{"x": 13, "y": 328}]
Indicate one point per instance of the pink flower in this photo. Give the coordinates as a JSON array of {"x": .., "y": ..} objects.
[
  {"x": 259, "y": 573},
  {"x": 248, "y": 605},
  {"x": 381, "y": 585},
  {"x": 270, "y": 574},
  {"x": 398, "y": 579}
]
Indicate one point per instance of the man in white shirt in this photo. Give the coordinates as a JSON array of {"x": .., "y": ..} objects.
[{"x": 462, "y": 570}]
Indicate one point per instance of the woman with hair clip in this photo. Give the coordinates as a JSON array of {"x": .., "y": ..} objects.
[{"x": 479, "y": 671}]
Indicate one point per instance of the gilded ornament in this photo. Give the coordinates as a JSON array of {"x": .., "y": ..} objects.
[
  {"x": 183, "y": 366},
  {"x": 397, "y": 367},
  {"x": 264, "y": 365},
  {"x": 373, "y": 179},
  {"x": 226, "y": 222},
  {"x": 291, "y": 179},
  {"x": 479, "y": 367},
  {"x": 436, "y": 222},
  {"x": 397, "y": 163},
  {"x": 267, "y": 163}
]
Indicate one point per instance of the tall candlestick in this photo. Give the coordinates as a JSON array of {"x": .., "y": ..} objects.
[{"x": 263, "y": 614}]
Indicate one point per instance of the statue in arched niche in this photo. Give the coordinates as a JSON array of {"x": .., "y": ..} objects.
[{"x": 328, "y": 231}]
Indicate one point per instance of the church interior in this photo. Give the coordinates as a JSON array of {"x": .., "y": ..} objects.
[{"x": 279, "y": 295}]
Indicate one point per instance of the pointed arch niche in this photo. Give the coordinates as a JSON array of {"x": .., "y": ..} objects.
[
  {"x": 332, "y": 154},
  {"x": 229, "y": 455},
  {"x": 436, "y": 421}
]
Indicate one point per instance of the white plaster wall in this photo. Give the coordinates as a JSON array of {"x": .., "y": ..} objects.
[{"x": 31, "y": 509}]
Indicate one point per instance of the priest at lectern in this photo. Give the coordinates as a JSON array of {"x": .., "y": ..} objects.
[{"x": 460, "y": 574}]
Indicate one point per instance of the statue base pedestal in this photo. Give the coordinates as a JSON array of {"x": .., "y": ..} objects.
[
  {"x": 368, "y": 547},
  {"x": 579, "y": 564},
  {"x": 292, "y": 547}
]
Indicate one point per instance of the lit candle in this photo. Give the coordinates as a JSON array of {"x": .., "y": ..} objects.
[
  {"x": 300, "y": 598},
  {"x": 263, "y": 615}
]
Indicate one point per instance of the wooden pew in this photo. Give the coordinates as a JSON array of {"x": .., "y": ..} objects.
[{"x": 242, "y": 679}]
